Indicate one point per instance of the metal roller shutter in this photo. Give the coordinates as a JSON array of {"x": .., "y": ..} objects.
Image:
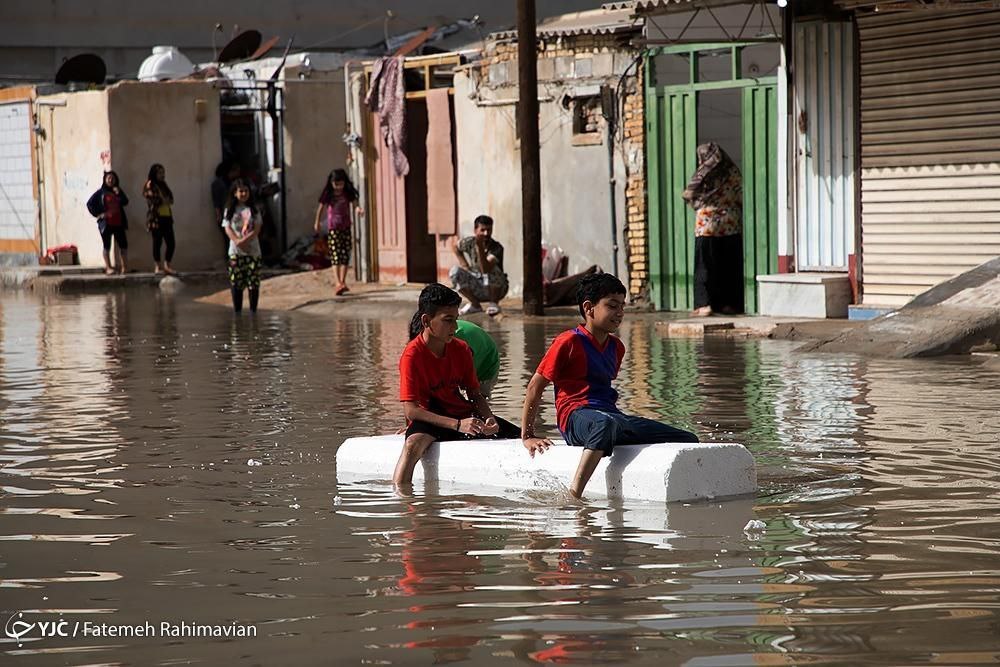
[{"x": 930, "y": 148}]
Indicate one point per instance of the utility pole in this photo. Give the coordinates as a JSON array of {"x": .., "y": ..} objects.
[{"x": 531, "y": 191}]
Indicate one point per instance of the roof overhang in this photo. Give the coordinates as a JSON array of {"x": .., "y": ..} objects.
[
  {"x": 591, "y": 22},
  {"x": 652, "y": 7}
]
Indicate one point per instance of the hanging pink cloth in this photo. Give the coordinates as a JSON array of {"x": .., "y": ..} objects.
[{"x": 387, "y": 98}]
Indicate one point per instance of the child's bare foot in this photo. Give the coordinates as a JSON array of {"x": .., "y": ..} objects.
[
  {"x": 704, "y": 311},
  {"x": 108, "y": 271}
]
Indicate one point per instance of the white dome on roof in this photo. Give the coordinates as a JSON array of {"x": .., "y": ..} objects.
[{"x": 165, "y": 63}]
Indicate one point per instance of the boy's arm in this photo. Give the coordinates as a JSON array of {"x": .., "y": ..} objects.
[
  {"x": 458, "y": 253},
  {"x": 483, "y": 257},
  {"x": 532, "y": 400},
  {"x": 413, "y": 412}
]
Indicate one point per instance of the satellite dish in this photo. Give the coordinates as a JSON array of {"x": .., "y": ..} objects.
[
  {"x": 82, "y": 68},
  {"x": 264, "y": 48},
  {"x": 240, "y": 47}
]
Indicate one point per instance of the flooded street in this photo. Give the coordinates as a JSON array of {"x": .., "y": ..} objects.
[{"x": 129, "y": 419}]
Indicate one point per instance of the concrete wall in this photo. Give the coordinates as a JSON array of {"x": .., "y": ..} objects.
[
  {"x": 574, "y": 181},
  {"x": 576, "y": 214},
  {"x": 177, "y": 125},
  {"x": 73, "y": 152},
  {"x": 315, "y": 123}
]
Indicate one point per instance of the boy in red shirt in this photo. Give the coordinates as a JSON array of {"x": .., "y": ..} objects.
[
  {"x": 582, "y": 363},
  {"x": 434, "y": 367}
]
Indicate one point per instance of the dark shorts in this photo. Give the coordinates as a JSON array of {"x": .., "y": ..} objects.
[
  {"x": 116, "y": 233},
  {"x": 604, "y": 430},
  {"x": 507, "y": 431}
]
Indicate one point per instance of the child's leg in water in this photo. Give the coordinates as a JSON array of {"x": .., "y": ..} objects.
[
  {"x": 413, "y": 449},
  {"x": 237, "y": 293},
  {"x": 254, "y": 298}
]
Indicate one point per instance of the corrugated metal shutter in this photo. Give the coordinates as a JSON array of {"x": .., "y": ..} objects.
[{"x": 930, "y": 148}]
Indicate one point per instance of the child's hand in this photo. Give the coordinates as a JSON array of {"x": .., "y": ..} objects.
[
  {"x": 538, "y": 445},
  {"x": 471, "y": 426},
  {"x": 490, "y": 426}
]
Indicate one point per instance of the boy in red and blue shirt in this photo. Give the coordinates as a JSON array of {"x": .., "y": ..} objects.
[{"x": 582, "y": 363}]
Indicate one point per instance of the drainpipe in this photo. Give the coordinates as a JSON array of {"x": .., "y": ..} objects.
[{"x": 608, "y": 111}]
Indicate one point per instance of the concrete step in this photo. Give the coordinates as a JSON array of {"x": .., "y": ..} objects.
[
  {"x": 663, "y": 472},
  {"x": 804, "y": 294}
]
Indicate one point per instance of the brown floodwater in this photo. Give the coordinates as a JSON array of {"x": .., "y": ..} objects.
[{"x": 127, "y": 497}]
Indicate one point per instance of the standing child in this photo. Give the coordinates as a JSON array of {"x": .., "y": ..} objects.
[
  {"x": 582, "y": 363},
  {"x": 335, "y": 209},
  {"x": 108, "y": 206},
  {"x": 242, "y": 224},
  {"x": 160, "y": 216},
  {"x": 434, "y": 369}
]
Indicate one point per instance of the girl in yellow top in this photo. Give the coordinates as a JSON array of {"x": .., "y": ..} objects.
[{"x": 160, "y": 216}]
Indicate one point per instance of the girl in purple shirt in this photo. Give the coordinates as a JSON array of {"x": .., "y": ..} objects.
[{"x": 334, "y": 215}]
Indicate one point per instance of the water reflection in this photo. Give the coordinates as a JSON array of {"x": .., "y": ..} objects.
[{"x": 129, "y": 421}]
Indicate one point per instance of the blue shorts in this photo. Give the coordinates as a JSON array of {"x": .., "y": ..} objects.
[{"x": 604, "y": 430}]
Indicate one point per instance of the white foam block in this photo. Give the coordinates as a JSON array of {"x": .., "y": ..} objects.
[{"x": 661, "y": 472}]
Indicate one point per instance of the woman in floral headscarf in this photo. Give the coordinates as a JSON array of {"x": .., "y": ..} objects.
[{"x": 715, "y": 192}]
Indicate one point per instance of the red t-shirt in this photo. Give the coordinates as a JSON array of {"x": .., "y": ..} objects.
[
  {"x": 433, "y": 382},
  {"x": 582, "y": 371},
  {"x": 112, "y": 209}
]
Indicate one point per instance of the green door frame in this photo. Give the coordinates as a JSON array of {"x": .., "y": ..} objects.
[{"x": 671, "y": 136}]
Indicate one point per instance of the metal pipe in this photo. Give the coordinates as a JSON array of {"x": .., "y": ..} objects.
[
  {"x": 608, "y": 110},
  {"x": 362, "y": 267}
]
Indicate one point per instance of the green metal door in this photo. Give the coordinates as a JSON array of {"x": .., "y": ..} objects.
[
  {"x": 671, "y": 162},
  {"x": 760, "y": 191},
  {"x": 672, "y": 137}
]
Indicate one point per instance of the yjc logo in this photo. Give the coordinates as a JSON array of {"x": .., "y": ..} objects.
[{"x": 18, "y": 629}]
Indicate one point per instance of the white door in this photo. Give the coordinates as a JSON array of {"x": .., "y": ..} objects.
[
  {"x": 823, "y": 126},
  {"x": 18, "y": 209}
]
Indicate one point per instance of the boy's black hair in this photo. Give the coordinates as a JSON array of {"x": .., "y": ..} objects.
[
  {"x": 432, "y": 298},
  {"x": 595, "y": 287},
  {"x": 482, "y": 221}
]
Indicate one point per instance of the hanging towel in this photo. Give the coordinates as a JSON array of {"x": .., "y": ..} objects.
[
  {"x": 441, "y": 216},
  {"x": 387, "y": 98}
]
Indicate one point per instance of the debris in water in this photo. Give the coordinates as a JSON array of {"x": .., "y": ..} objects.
[
  {"x": 254, "y": 462},
  {"x": 754, "y": 526},
  {"x": 338, "y": 500}
]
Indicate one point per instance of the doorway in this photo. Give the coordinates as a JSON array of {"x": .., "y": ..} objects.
[{"x": 694, "y": 94}]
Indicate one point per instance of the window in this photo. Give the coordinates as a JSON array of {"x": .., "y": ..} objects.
[{"x": 588, "y": 121}]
